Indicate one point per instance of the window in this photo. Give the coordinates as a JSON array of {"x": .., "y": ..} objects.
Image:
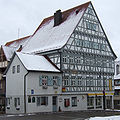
[
  {"x": 38, "y": 101},
  {"x": 33, "y": 99},
  {"x": 74, "y": 101},
  {"x": 13, "y": 69},
  {"x": 66, "y": 81},
  {"x": 98, "y": 101},
  {"x": 90, "y": 102},
  {"x": 55, "y": 80},
  {"x": 117, "y": 69},
  {"x": 18, "y": 68},
  {"x": 80, "y": 81},
  {"x": 64, "y": 59},
  {"x": 44, "y": 100},
  {"x": 44, "y": 80},
  {"x": 8, "y": 101},
  {"x": 91, "y": 26},
  {"x": 66, "y": 102},
  {"x": 17, "y": 102},
  {"x": 99, "y": 83},
  {"x": 71, "y": 59},
  {"x": 29, "y": 99},
  {"x": 73, "y": 81}
]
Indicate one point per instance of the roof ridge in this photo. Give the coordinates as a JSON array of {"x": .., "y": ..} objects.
[
  {"x": 10, "y": 42},
  {"x": 68, "y": 10}
]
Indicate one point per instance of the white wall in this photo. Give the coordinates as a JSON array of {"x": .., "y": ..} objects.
[
  {"x": 81, "y": 102},
  {"x": 15, "y": 85},
  {"x": 32, "y": 82}
]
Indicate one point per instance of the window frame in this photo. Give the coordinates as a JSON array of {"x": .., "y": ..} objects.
[
  {"x": 18, "y": 68},
  {"x": 74, "y": 101},
  {"x": 13, "y": 69}
]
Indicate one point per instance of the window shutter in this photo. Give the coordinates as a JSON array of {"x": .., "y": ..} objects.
[
  {"x": 50, "y": 80},
  {"x": 40, "y": 80},
  {"x": 59, "y": 81}
]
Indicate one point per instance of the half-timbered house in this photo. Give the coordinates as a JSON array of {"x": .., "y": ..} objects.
[{"x": 76, "y": 42}]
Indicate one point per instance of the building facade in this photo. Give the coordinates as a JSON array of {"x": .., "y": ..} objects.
[
  {"x": 6, "y": 52},
  {"x": 117, "y": 85},
  {"x": 82, "y": 52},
  {"x": 37, "y": 87},
  {"x": 75, "y": 41}
]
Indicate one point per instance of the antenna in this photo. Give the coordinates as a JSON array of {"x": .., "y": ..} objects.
[{"x": 18, "y": 32}]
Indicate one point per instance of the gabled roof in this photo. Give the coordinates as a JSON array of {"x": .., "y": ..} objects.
[
  {"x": 18, "y": 42},
  {"x": 16, "y": 45},
  {"x": 8, "y": 52},
  {"x": 47, "y": 37},
  {"x": 36, "y": 63}
]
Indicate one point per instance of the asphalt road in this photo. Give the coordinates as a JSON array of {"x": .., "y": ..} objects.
[{"x": 79, "y": 115}]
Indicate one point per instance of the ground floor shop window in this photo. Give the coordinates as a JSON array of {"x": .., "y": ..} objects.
[
  {"x": 98, "y": 102},
  {"x": 33, "y": 99},
  {"x": 74, "y": 101},
  {"x": 42, "y": 101},
  {"x": 90, "y": 102},
  {"x": 29, "y": 99}
]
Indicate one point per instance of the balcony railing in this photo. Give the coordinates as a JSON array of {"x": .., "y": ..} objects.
[{"x": 3, "y": 64}]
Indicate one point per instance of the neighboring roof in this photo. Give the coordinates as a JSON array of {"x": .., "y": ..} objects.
[
  {"x": 19, "y": 42},
  {"x": 47, "y": 37},
  {"x": 8, "y": 52},
  {"x": 36, "y": 63},
  {"x": 116, "y": 77}
]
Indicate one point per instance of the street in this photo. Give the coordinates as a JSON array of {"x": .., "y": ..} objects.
[{"x": 79, "y": 115}]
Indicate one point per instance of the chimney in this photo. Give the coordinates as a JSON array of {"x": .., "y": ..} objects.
[
  {"x": 57, "y": 17},
  {"x": 20, "y": 48}
]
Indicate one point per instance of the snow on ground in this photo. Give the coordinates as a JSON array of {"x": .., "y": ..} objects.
[{"x": 105, "y": 118}]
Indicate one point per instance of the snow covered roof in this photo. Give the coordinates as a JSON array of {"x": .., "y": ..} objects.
[
  {"x": 8, "y": 52},
  {"x": 49, "y": 37},
  {"x": 116, "y": 77},
  {"x": 36, "y": 63},
  {"x": 19, "y": 42},
  {"x": 16, "y": 45}
]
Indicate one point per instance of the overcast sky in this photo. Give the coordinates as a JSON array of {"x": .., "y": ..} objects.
[{"x": 26, "y": 15}]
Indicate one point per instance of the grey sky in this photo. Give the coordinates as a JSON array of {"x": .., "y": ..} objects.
[{"x": 26, "y": 15}]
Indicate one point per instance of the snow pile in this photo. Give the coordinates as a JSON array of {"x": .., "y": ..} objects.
[
  {"x": 105, "y": 118},
  {"x": 49, "y": 37},
  {"x": 36, "y": 63}
]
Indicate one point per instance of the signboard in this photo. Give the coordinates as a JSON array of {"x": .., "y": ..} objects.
[
  {"x": 32, "y": 91},
  {"x": 110, "y": 85}
]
